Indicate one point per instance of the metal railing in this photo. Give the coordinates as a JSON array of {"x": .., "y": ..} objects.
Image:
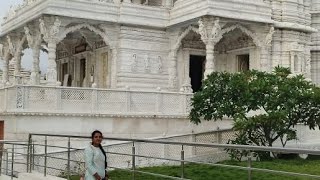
[
  {"x": 13, "y": 155},
  {"x": 63, "y": 155}
]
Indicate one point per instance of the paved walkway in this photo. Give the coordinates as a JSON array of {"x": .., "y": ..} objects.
[{"x": 31, "y": 176}]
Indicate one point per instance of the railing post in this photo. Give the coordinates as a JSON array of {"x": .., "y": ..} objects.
[
  {"x": 68, "y": 163},
  {"x": 133, "y": 161},
  {"x": 29, "y": 154},
  {"x": 7, "y": 162},
  {"x": 182, "y": 162},
  {"x": 1, "y": 156},
  {"x": 12, "y": 161},
  {"x": 45, "y": 155},
  {"x": 33, "y": 152},
  {"x": 249, "y": 165}
]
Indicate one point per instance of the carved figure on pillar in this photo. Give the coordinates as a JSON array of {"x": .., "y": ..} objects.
[
  {"x": 134, "y": 63},
  {"x": 159, "y": 65},
  {"x": 173, "y": 70},
  {"x": 5, "y": 56},
  {"x": 307, "y": 70}
]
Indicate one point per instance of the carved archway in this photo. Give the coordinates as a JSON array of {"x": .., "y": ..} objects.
[
  {"x": 182, "y": 36},
  {"x": 101, "y": 33},
  {"x": 256, "y": 40}
]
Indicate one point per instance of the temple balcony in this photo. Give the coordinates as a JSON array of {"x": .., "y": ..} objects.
[
  {"x": 154, "y": 13},
  {"x": 62, "y": 100}
]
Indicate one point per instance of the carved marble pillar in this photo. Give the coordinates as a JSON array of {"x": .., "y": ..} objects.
[
  {"x": 17, "y": 53},
  {"x": 210, "y": 31},
  {"x": 52, "y": 65},
  {"x": 266, "y": 51},
  {"x": 35, "y": 71},
  {"x": 276, "y": 50},
  {"x": 292, "y": 57},
  {"x": 186, "y": 86},
  {"x": 34, "y": 42},
  {"x": 265, "y": 62},
  {"x": 210, "y": 61},
  {"x": 5, "y": 69},
  {"x": 17, "y": 67},
  {"x": 50, "y": 29},
  {"x": 114, "y": 53},
  {"x": 307, "y": 64},
  {"x": 172, "y": 70},
  {"x": 186, "y": 57}
]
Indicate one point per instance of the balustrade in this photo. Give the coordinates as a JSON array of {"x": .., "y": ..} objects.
[{"x": 101, "y": 101}]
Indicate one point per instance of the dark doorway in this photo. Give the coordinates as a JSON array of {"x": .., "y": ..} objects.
[
  {"x": 243, "y": 62},
  {"x": 196, "y": 71}
]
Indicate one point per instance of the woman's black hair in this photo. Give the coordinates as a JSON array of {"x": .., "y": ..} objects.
[{"x": 101, "y": 148}]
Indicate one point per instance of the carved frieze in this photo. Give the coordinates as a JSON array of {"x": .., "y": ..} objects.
[{"x": 146, "y": 64}]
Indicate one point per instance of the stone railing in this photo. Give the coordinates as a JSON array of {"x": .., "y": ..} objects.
[{"x": 42, "y": 99}]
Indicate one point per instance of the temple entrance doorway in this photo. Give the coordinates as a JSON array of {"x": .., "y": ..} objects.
[{"x": 196, "y": 71}]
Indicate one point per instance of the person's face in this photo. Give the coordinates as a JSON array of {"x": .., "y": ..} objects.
[{"x": 97, "y": 138}]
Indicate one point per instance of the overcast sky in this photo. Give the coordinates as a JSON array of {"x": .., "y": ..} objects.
[{"x": 27, "y": 58}]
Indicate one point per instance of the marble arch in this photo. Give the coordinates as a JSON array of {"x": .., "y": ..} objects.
[
  {"x": 257, "y": 41},
  {"x": 74, "y": 28},
  {"x": 183, "y": 35}
]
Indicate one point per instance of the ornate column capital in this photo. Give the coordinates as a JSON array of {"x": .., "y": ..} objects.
[
  {"x": 50, "y": 29},
  {"x": 210, "y": 30}
]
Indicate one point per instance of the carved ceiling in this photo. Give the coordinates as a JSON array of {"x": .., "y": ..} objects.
[{"x": 193, "y": 40}]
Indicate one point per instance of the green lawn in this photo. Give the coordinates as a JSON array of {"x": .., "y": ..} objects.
[{"x": 206, "y": 172}]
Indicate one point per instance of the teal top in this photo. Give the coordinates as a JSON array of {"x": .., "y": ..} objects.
[{"x": 95, "y": 162}]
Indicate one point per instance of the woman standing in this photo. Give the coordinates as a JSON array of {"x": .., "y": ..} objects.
[{"x": 95, "y": 158}]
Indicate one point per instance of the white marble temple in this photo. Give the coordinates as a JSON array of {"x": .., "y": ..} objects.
[{"x": 145, "y": 57}]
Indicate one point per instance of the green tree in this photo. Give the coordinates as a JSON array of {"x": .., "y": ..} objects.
[{"x": 265, "y": 107}]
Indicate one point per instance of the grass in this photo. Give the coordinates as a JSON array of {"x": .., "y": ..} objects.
[{"x": 207, "y": 172}]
